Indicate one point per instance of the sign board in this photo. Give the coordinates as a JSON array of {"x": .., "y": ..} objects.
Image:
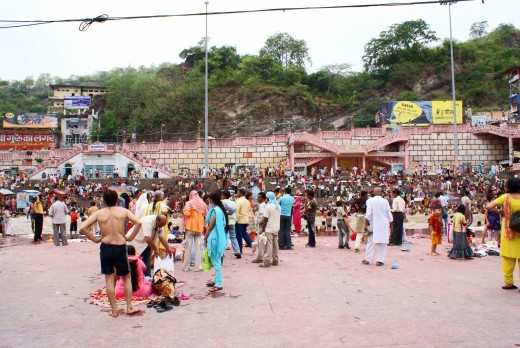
[
  {"x": 30, "y": 120},
  {"x": 248, "y": 155},
  {"x": 27, "y": 140},
  {"x": 77, "y": 102},
  {"x": 97, "y": 148},
  {"x": 420, "y": 113},
  {"x": 352, "y": 147}
]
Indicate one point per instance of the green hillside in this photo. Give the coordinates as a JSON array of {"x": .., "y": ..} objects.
[{"x": 272, "y": 91}]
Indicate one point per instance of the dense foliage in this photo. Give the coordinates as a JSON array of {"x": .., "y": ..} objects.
[{"x": 406, "y": 62}]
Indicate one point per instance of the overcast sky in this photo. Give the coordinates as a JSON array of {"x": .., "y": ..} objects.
[{"x": 333, "y": 36}]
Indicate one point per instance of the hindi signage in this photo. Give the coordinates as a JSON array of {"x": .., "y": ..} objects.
[
  {"x": 97, "y": 147},
  {"x": 419, "y": 113},
  {"x": 26, "y": 140}
]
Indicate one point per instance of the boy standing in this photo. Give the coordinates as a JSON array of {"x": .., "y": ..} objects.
[
  {"x": 435, "y": 223},
  {"x": 112, "y": 250},
  {"x": 73, "y": 222}
]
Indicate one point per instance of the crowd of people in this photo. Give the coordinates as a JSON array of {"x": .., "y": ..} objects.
[{"x": 265, "y": 208}]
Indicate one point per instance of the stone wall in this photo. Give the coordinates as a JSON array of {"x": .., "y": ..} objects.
[
  {"x": 438, "y": 148},
  {"x": 255, "y": 155},
  {"x": 426, "y": 149}
]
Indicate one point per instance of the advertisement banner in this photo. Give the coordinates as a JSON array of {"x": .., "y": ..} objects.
[
  {"x": 76, "y": 102},
  {"x": 30, "y": 120},
  {"x": 419, "y": 113},
  {"x": 27, "y": 140}
]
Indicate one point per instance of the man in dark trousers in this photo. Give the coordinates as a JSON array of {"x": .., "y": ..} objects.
[
  {"x": 398, "y": 212},
  {"x": 286, "y": 203}
]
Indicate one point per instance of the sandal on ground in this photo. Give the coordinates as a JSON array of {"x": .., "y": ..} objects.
[
  {"x": 152, "y": 303},
  {"x": 509, "y": 287},
  {"x": 215, "y": 289},
  {"x": 164, "y": 307},
  {"x": 210, "y": 284}
]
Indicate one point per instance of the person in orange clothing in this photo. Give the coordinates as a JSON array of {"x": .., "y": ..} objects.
[
  {"x": 73, "y": 222},
  {"x": 195, "y": 212},
  {"x": 435, "y": 223}
]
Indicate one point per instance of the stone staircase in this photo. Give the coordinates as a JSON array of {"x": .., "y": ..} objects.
[
  {"x": 386, "y": 140},
  {"x": 313, "y": 140},
  {"x": 110, "y": 149}
]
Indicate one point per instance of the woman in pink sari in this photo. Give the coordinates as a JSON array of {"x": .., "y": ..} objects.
[{"x": 297, "y": 215}]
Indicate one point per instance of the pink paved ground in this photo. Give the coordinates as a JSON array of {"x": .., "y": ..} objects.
[{"x": 319, "y": 297}]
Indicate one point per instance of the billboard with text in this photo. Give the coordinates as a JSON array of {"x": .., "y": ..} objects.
[
  {"x": 27, "y": 140},
  {"x": 30, "y": 120},
  {"x": 76, "y": 102},
  {"x": 420, "y": 113}
]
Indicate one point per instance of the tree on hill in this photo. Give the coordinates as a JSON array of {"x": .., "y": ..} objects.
[
  {"x": 286, "y": 50},
  {"x": 408, "y": 37},
  {"x": 478, "y": 29}
]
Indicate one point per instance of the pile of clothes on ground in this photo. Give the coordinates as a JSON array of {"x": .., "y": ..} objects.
[{"x": 490, "y": 248}]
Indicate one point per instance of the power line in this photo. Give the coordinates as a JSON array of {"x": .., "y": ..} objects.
[{"x": 86, "y": 22}]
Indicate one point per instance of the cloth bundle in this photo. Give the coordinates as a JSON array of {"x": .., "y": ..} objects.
[{"x": 164, "y": 283}]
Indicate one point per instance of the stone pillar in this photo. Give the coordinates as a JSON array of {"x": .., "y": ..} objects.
[
  {"x": 291, "y": 155},
  {"x": 335, "y": 163},
  {"x": 363, "y": 163},
  {"x": 511, "y": 149},
  {"x": 406, "y": 158}
]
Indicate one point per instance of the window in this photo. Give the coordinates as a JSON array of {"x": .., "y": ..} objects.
[{"x": 73, "y": 94}]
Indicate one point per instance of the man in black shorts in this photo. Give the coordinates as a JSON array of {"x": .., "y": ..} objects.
[{"x": 112, "y": 251}]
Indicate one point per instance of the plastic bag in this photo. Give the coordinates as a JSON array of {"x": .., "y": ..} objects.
[
  {"x": 206, "y": 262},
  {"x": 166, "y": 263},
  {"x": 353, "y": 236}
]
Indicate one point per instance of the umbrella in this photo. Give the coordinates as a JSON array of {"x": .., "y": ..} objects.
[{"x": 6, "y": 192}]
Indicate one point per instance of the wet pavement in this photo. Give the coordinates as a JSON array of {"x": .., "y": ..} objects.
[{"x": 320, "y": 297}]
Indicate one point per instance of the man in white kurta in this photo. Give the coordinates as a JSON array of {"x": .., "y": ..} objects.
[{"x": 380, "y": 219}]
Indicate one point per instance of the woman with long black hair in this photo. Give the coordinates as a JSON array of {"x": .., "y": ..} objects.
[{"x": 216, "y": 238}]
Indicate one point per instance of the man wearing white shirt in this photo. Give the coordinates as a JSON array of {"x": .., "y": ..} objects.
[
  {"x": 379, "y": 218},
  {"x": 147, "y": 237},
  {"x": 58, "y": 213},
  {"x": 398, "y": 211}
]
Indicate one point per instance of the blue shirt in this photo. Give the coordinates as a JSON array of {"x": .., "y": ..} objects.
[{"x": 286, "y": 202}]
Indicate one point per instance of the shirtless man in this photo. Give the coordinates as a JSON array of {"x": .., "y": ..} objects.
[
  {"x": 112, "y": 251},
  {"x": 31, "y": 211}
]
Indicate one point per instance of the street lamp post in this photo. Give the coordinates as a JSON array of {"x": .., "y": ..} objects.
[
  {"x": 319, "y": 124},
  {"x": 162, "y": 131},
  {"x": 455, "y": 137},
  {"x": 206, "y": 98}
]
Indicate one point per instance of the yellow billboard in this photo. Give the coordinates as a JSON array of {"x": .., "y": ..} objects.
[
  {"x": 419, "y": 113},
  {"x": 443, "y": 111}
]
